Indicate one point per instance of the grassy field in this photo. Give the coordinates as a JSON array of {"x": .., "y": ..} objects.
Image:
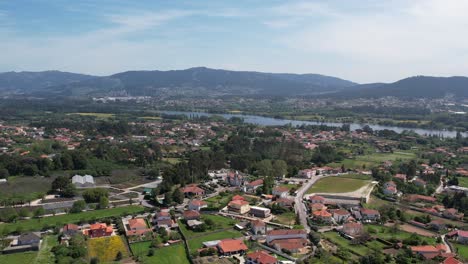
[
  {"x": 337, "y": 184},
  {"x": 106, "y": 248},
  {"x": 386, "y": 233},
  {"x": 462, "y": 251},
  {"x": 288, "y": 218},
  {"x": 45, "y": 256},
  {"x": 166, "y": 255},
  {"x": 219, "y": 201},
  {"x": 196, "y": 243},
  {"x": 97, "y": 115},
  {"x": 373, "y": 159},
  {"x": 463, "y": 181},
  {"x": 220, "y": 222},
  {"x": 172, "y": 160},
  {"x": 335, "y": 238},
  {"x": 38, "y": 224},
  {"x": 25, "y": 187},
  {"x": 21, "y": 258}
]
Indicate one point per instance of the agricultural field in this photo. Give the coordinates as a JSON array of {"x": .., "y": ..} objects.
[
  {"x": 172, "y": 160},
  {"x": 368, "y": 161},
  {"x": 337, "y": 184},
  {"x": 36, "y": 224},
  {"x": 107, "y": 248},
  {"x": 25, "y": 188},
  {"x": 335, "y": 238},
  {"x": 166, "y": 255},
  {"x": 96, "y": 115},
  {"x": 196, "y": 243}
]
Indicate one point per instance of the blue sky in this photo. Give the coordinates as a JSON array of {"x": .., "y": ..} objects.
[{"x": 359, "y": 40}]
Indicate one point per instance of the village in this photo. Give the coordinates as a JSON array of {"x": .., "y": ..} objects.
[{"x": 382, "y": 195}]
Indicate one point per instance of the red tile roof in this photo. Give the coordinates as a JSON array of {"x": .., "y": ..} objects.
[
  {"x": 256, "y": 183},
  {"x": 290, "y": 244},
  {"x": 137, "y": 223},
  {"x": 281, "y": 189},
  {"x": 261, "y": 257},
  {"x": 231, "y": 245},
  {"x": 258, "y": 223},
  {"x": 238, "y": 197},
  {"x": 451, "y": 260},
  {"x": 191, "y": 214}
]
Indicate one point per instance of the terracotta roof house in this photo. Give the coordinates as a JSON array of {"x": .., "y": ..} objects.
[
  {"x": 285, "y": 202},
  {"x": 239, "y": 206},
  {"x": 462, "y": 237},
  {"x": 238, "y": 197},
  {"x": 70, "y": 229},
  {"x": 453, "y": 213},
  {"x": 429, "y": 252},
  {"x": 197, "y": 205},
  {"x": 285, "y": 234},
  {"x": 235, "y": 179},
  {"x": 260, "y": 257},
  {"x": 317, "y": 199},
  {"x": 98, "y": 230},
  {"x": 322, "y": 215},
  {"x": 451, "y": 260},
  {"x": 258, "y": 227},
  {"x": 191, "y": 215},
  {"x": 137, "y": 227},
  {"x": 352, "y": 229},
  {"x": 420, "y": 198},
  {"x": 317, "y": 207},
  {"x": 401, "y": 177},
  {"x": 369, "y": 214},
  {"x": 437, "y": 224},
  {"x": 252, "y": 187},
  {"x": 280, "y": 191},
  {"x": 419, "y": 182},
  {"x": 231, "y": 246},
  {"x": 193, "y": 190},
  {"x": 292, "y": 245},
  {"x": 341, "y": 215}
]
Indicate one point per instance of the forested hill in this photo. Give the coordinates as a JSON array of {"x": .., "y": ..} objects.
[
  {"x": 24, "y": 82},
  {"x": 413, "y": 87},
  {"x": 199, "y": 81}
]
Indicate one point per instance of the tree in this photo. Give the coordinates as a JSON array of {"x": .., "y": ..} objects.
[
  {"x": 167, "y": 198},
  {"x": 280, "y": 168},
  {"x": 60, "y": 182},
  {"x": 264, "y": 168},
  {"x": 78, "y": 206},
  {"x": 4, "y": 174},
  {"x": 94, "y": 195},
  {"x": 178, "y": 196},
  {"x": 103, "y": 202},
  {"x": 39, "y": 212},
  {"x": 69, "y": 190},
  {"x": 94, "y": 261}
]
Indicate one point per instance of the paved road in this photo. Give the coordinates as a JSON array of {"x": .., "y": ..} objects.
[{"x": 299, "y": 206}]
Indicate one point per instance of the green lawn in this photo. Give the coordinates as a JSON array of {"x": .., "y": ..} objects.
[
  {"x": 288, "y": 218},
  {"x": 166, "y": 255},
  {"x": 59, "y": 220},
  {"x": 373, "y": 159},
  {"x": 196, "y": 243},
  {"x": 337, "y": 184},
  {"x": 25, "y": 188},
  {"x": 386, "y": 233},
  {"x": 335, "y": 238},
  {"x": 463, "y": 181},
  {"x": 45, "y": 256},
  {"x": 220, "y": 222},
  {"x": 21, "y": 258},
  {"x": 462, "y": 251},
  {"x": 219, "y": 201}
]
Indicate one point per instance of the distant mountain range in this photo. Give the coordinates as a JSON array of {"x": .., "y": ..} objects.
[{"x": 205, "y": 82}]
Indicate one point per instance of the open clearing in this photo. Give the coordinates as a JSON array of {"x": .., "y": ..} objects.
[
  {"x": 166, "y": 255},
  {"x": 23, "y": 258},
  {"x": 368, "y": 161},
  {"x": 462, "y": 251},
  {"x": 106, "y": 248},
  {"x": 337, "y": 184},
  {"x": 418, "y": 230}
]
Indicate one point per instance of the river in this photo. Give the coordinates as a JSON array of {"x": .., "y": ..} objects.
[{"x": 269, "y": 121}]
